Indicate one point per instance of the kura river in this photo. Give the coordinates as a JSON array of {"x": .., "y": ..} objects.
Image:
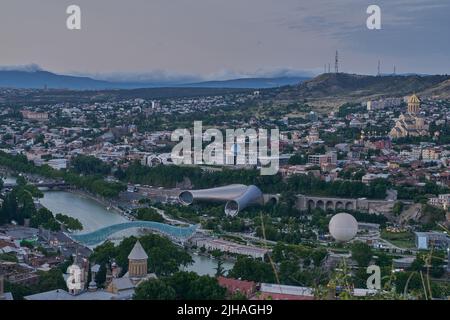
[
  {"x": 91, "y": 213},
  {"x": 94, "y": 215}
]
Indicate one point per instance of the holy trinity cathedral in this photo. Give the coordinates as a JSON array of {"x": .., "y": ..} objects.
[{"x": 410, "y": 124}]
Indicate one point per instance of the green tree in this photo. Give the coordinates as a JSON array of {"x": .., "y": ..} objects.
[
  {"x": 51, "y": 280},
  {"x": 149, "y": 214},
  {"x": 191, "y": 286},
  {"x": 44, "y": 218},
  {"x": 165, "y": 257},
  {"x": 90, "y": 165},
  {"x": 220, "y": 271},
  {"x": 361, "y": 253},
  {"x": 154, "y": 290},
  {"x": 398, "y": 208},
  {"x": 206, "y": 288},
  {"x": 69, "y": 222},
  {"x": 251, "y": 269}
]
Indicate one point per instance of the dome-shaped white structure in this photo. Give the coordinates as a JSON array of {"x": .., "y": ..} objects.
[{"x": 343, "y": 227}]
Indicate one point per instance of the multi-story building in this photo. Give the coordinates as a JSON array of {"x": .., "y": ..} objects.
[
  {"x": 430, "y": 154},
  {"x": 313, "y": 136},
  {"x": 37, "y": 116},
  {"x": 443, "y": 201},
  {"x": 323, "y": 159},
  {"x": 230, "y": 247},
  {"x": 428, "y": 240},
  {"x": 383, "y": 103}
]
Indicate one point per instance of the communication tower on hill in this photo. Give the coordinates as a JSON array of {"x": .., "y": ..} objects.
[{"x": 336, "y": 63}]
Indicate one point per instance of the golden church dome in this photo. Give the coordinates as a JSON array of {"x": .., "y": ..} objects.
[{"x": 413, "y": 99}]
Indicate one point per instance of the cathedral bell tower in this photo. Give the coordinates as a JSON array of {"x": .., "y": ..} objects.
[{"x": 137, "y": 262}]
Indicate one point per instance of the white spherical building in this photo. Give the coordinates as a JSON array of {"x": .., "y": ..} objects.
[{"x": 343, "y": 227}]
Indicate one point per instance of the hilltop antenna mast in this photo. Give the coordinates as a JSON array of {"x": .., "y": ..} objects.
[
  {"x": 379, "y": 68},
  {"x": 336, "y": 63}
]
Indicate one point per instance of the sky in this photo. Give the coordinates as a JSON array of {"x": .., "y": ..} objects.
[{"x": 223, "y": 39}]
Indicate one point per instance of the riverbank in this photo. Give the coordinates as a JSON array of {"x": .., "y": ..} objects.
[{"x": 8, "y": 174}]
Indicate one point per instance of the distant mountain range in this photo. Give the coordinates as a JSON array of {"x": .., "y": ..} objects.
[
  {"x": 324, "y": 91},
  {"x": 251, "y": 83},
  {"x": 43, "y": 79}
]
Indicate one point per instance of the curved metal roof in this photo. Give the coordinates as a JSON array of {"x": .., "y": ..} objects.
[{"x": 236, "y": 196}]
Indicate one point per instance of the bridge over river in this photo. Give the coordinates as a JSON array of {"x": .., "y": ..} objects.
[{"x": 179, "y": 234}]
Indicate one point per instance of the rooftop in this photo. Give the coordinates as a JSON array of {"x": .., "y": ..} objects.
[
  {"x": 60, "y": 294},
  {"x": 414, "y": 99},
  {"x": 286, "y": 290},
  {"x": 138, "y": 253}
]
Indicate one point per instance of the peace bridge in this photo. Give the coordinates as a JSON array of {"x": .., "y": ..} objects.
[{"x": 178, "y": 234}]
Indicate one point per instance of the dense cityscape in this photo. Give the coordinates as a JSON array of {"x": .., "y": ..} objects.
[
  {"x": 385, "y": 162},
  {"x": 207, "y": 159}
]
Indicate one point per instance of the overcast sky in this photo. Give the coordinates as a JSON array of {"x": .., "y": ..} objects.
[{"x": 225, "y": 38}]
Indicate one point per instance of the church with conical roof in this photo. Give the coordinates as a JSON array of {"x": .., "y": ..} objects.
[
  {"x": 410, "y": 124},
  {"x": 137, "y": 272},
  {"x": 137, "y": 262}
]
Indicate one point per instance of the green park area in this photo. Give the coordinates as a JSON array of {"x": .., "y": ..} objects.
[{"x": 399, "y": 239}]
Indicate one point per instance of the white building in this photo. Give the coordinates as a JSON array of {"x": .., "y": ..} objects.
[
  {"x": 443, "y": 201},
  {"x": 428, "y": 240},
  {"x": 322, "y": 159},
  {"x": 57, "y": 164},
  {"x": 157, "y": 159},
  {"x": 383, "y": 103},
  {"x": 369, "y": 177},
  {"x": 230, "y": 247}
]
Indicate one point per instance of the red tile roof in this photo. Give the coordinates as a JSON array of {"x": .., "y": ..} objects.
[
  {"x": 4, "y": 243},
  {"x": 233, "y": 285}
]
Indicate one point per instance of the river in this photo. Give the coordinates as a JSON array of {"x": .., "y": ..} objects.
[
  {"x": 91, "y": 213},
  {"x": 94, "y": 215},
  {"x": 206, "y": 266},
  {"x": 10, "y": 180}
]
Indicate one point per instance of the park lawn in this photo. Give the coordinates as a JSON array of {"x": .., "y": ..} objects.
[{"x": 402, "y": 239}]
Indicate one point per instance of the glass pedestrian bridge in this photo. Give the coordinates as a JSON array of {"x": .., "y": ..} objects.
[{"x": 96, "y": 237}]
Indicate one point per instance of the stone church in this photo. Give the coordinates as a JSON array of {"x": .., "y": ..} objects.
[
  {"x": 137, "y": 272},
  {"x": 410, "y": 124}
]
